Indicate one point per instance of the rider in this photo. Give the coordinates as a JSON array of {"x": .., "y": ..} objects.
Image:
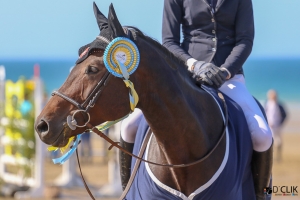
[{"x": 217, "y": 39}]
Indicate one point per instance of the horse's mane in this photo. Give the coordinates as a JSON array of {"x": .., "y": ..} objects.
[{"x": 162, "y": 48}]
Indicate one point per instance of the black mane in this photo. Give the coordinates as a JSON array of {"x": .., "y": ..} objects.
[{"x": 157, "y": 45}]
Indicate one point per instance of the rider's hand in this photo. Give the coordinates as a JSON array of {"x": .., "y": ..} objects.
[{"x": 209, "y": 73}]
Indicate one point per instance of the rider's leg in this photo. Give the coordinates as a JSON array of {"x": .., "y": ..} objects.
[
  {"x": 261, "y": 133},
  {"x": 129, "y": 127}
]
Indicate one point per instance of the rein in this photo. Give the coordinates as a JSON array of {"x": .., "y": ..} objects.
[{"x": 115, "y": 144}]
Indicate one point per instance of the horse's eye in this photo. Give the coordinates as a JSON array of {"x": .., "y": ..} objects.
[{"x": 91, "y": 70}]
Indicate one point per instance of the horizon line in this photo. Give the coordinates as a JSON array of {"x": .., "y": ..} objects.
[{"x": 5, "y": 59}]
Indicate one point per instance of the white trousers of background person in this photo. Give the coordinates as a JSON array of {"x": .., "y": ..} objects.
[
  {"x": 235, "y": 88},
  {"x": 261, "y": 133}
]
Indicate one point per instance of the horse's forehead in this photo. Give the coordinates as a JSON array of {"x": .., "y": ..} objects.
[{"x": 95, "y": 59}]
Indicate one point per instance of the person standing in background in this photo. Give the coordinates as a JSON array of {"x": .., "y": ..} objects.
[{"x": 276, "y": 115}]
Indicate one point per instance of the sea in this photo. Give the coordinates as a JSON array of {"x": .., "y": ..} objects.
[
  {"x": 281, "y": 74},
  {"x": 262, "y": 74}
]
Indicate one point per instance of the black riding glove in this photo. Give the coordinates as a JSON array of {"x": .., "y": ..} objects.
[{"x": 209, "y": 73}]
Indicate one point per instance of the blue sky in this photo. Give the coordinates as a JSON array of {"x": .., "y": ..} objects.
[{"x": 56, "y": 29}]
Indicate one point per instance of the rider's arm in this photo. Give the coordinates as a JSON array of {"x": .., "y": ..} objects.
[
  {"x": 172, "y": 20},
  {"x": 244, "y": 36}
]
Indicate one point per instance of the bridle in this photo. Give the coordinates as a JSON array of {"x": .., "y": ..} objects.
[{"x": 89, "y": 103}]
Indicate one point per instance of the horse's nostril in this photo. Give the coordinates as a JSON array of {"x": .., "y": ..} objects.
[{"x": 42, "y": 127}]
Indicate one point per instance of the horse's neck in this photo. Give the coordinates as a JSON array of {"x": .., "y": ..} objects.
[
  {"x": 176, "y": 110},
  {"x": 185, "y": 120}
]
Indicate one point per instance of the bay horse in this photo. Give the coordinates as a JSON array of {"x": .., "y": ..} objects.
[{"x": 186, "y": 120}]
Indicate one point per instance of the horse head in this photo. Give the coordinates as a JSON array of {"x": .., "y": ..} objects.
[{"x": 89, "y": 88}]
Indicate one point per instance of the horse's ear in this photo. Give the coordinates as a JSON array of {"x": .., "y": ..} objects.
[
  {"x": 101, "y": 19},
  {"x": 114, "y": 24}
]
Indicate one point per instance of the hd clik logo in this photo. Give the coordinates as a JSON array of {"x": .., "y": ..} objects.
[{"x": 281, "y": 190}]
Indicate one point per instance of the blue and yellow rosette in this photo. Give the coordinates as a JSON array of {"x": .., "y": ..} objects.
[{"x": 124, "y": 51}]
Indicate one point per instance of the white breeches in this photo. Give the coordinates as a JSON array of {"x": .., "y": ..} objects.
[
  {"x": 261, "y": 133},
  {"x": 235, "y": 88},
  {"x": 130, "y": 125}
]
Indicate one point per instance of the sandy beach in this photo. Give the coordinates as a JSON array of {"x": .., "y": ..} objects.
[{"x": 285, "y": 172}]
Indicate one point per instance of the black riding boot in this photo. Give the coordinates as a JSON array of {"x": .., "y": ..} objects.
[
  {"x": 125, "y": 162},
  {"x": 261, "y": 170}
]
